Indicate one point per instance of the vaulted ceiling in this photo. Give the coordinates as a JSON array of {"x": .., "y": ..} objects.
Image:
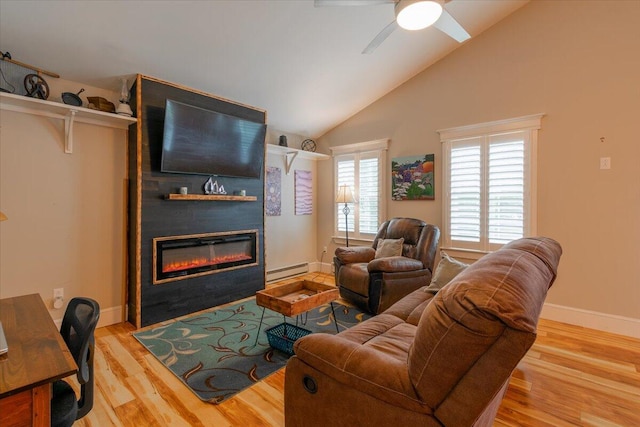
[{"x": 301, "y": 63}]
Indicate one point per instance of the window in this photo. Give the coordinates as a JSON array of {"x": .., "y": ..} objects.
[
  {"x": 361, "y": 167},
  {"x": 489, "y": 183}
]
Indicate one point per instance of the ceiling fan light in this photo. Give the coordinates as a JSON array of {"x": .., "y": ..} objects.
[{"x": 417, "y": 14}]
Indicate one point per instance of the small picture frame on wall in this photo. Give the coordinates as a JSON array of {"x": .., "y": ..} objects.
[{"x": 412, "y": 178}]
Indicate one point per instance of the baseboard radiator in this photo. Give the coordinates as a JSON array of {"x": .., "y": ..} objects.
[{"x": 284, "y": 272}]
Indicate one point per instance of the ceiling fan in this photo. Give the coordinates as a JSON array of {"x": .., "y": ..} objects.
[{"x": 410, "y": 15}]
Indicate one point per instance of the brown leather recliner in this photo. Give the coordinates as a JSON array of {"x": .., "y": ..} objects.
[
  {"x": 442, "y": 360},
  {"x": 374, "y": 284}
]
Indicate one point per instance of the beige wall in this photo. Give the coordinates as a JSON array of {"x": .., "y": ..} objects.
[
  {"x": 579, "y": 63},
  {"x": 66, "y": 211}
]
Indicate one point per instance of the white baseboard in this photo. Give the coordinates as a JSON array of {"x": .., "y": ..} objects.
[
  {"x": 321, "y": 267},
  {"x": 111, "y": 316},
  {"x": 288, "y": 271},
  {"x": 621, "y": 325},
  {"x": 108, "y": 316}
]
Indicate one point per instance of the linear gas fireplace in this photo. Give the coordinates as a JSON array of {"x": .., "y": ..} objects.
[{"x": 181, "y": 257}]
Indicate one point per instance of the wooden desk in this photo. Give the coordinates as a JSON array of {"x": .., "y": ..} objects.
[{"x": 37, "y": 356}]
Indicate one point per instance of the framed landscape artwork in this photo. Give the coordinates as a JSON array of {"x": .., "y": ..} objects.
[{"x": 412, "y": 178}]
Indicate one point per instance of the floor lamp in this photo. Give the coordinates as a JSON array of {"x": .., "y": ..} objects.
[{"x": 345, "y": 196}]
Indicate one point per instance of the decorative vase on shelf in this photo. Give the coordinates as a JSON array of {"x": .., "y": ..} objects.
[{"x": 123, "y": 108}]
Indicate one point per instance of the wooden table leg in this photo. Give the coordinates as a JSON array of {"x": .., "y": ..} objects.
[
  {"x": 335, "y": 319},
  {"x": 42, "y": 406},
  {"x": 259, "y": 326}
]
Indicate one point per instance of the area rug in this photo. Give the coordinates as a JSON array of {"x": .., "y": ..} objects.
[{"x": 213, "y": 353}]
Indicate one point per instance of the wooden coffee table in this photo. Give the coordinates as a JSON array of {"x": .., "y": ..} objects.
[{"x": 293, "y": 299}]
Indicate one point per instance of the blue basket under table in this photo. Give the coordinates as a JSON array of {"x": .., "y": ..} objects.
[{"x": 282, "y": 336}]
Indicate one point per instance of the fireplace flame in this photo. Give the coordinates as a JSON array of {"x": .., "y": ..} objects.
[{"x": 202, "y": 262}]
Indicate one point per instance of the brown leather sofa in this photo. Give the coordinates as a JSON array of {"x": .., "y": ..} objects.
[
  {"x": 442, "y": 360},
  {"x": 374, "y": 284}
]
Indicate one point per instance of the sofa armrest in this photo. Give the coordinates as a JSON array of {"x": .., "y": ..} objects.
[
  {"x": 355, "y": 254},
  {"x": 394, "y": 264},
  {"x": 355, "y": 365}
]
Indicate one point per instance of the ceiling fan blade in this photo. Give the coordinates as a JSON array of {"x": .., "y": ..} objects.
[
  {"x": 382, "y": 36},
  {"x": 448, "y": 25},
  {"x": 325, "y": 3}
]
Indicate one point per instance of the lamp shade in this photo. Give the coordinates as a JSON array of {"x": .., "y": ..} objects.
[
  {"x": 345, "y": 195},
  {"x": 3, "y": 217},
  {"x": 417, "y": 14}
]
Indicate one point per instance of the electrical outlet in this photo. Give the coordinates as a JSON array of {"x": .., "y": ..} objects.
[
  {"x": 605, "y": 162},
  {"x": 58, "y": 298},
  {"x": 324, "y": 249}
]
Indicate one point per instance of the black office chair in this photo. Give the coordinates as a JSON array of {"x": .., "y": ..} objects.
[{"x": 78, "y": 326}]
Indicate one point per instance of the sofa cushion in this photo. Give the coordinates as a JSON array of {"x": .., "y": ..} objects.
[
  {"x": 447, "y": 269},
  {"x": 410, "y": 307},
  {"x": 389, "y": 247},
  {"x": 386, "y": 334}
]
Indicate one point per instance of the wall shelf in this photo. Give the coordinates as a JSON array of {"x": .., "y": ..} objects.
[
  {"x": 68, "y": 113},
  {"x": 211, "y": 197},
  {"x": 291, "y": 153}
]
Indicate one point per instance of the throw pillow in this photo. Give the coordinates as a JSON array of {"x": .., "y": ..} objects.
[
  {"x": 447, "y": 269},
  {"x": 389, "y": 247}
]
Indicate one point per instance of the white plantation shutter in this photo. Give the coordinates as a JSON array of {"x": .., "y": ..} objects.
[
  {"x": 506, "y": 188},
  {"x": 466, "y": 185},
  {"x": 488, "y": 179},
  {"x": 368, "y": 194},
  {"x": 345, "y": 173},
  {"x": 361, "y": 167}
]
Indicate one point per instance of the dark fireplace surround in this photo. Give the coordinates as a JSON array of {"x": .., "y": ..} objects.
[{"x": 180, "y": 226}]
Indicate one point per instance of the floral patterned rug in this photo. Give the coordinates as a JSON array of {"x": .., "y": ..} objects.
[{"x": 215, "y": 353}]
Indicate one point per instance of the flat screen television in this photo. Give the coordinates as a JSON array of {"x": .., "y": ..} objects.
[{"x": 205, "y": 142}]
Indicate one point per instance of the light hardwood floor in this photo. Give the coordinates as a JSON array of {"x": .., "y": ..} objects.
[{"x": 571, "y": 376}]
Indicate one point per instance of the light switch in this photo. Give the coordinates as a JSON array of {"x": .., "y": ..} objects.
[{"x": 605, "y": 162}]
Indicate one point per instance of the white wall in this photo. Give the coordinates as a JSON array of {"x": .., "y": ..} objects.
[{"x": 578, "y": 63}]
